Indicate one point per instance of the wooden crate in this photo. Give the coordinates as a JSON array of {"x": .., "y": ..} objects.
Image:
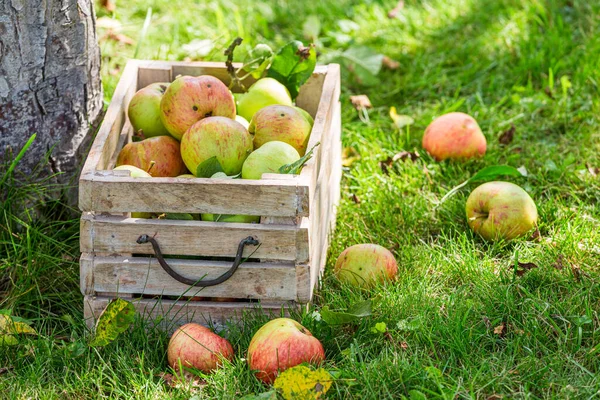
[{"x": 297, "y": 214}]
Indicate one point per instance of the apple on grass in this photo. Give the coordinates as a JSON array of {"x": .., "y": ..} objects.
[
  {"x": 363, "y": 265},
  {"x": 281, "y": 123},
  {"x": 500, "y": 211},
  {"x": 454, "y": 136},
  {"x": 163, "y": 151},
  {"x": 220, "y": 137},
  {"x": 144, "y": 110},
  {"x": 194, "y": 346},
  {"x": 268, "y": 159},
  {"x": 264, "y": 92},
  {"x": 280, "y": 344},
  {"x": 189, "y": 99}
]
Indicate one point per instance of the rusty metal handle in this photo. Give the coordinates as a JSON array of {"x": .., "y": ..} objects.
[{"x": 198, "y": 282}]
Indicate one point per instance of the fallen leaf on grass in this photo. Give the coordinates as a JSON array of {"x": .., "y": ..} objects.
[
  {"x": 507, "y": 136},
  {"x": 302, "y": 383},
  {"x": 354, "y": 313},
  {"x": 400, "y": 120},
  {"x": 559, "y": 264},
  {"x": 594, "y": 171},
  {"x": 349, "y": 156},
  {"x": 500, "y": 330},
  {"x": 576, "y": 272},
  {"x": 114, "y": 320},
  {"x": 355, "y": 198},
  {"x": 390, "y": 63},
  {"x": 523, "y": 268},
  {"x": 394, "y": 12},
  {"x": 118, "y": 37},
  {"x": 360, "y": 102},
  {"x": 174, "y": 381},
  {"x": 537, "y": 236},
  {"x": 386, "y": 164}
]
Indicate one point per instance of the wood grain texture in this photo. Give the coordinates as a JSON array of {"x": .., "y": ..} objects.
[
  {"x": 114, "y": 234},
  {"x": 148, "y": 75},
  {"x": 102, "y": 192},
  {"x": 144, "y": 275},
  {"x": 170, "y": 314}
]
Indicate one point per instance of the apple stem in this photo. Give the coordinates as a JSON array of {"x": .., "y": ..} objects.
[
  {"x": 152, "y": 163},
  {"x": 235, "y": 80}
]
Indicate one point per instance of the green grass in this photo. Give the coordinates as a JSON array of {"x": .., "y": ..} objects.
[{"x": 502, "y": 62}]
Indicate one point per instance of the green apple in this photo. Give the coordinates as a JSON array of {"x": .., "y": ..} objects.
[
  {"x": 363, "y": 265},
  {"x": 144, "y": 110},
  {"x": 135, "y": 172},
  {"x": 220, "y": 137},
  {"x": 280, "y": 344},
  {"x": 242, "y": 121},
  {"x": 500, "y": 211},
  {"x": 268, "y": 159},
  {"x": 159, "y": 156},
  {"x": 189, "y": 99},
  {"x": 282, "y": 123},
  {"x": 246, "y": 219},
  {"x": 264, "y": 92}
]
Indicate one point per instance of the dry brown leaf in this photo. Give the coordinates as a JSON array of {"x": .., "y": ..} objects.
[
  {"x": 390, "y": 63},
  {"x": 495, "y": 397},
  {"x": 523, "y": 268},
  {"x": 349, "y": 156},
  {"x": 507, "y": 136},
  {"x": 174, "y": 381},
  {"x": 537, "y": 236},
  {"x": 360, "y": 102},
  {"x": 500, "y": 330},
  {"x": 559, "y": 264},
  {"x": 576, "y": 272},
  {"x": 404, "y": 345},
  {"x": 403, "y": 155},
  {"x": 108, "y": 5},
  {"x": 595, "y": 171},
  {"x": 394, "y": 12},
  {"x": 355, "y": 198}
]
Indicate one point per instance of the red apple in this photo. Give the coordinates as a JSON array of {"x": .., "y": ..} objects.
[
  {"x": 162, "y": 150},
  {"x": 455, "y": 136},
  {"x": 364, "y": 264},
  {"x": 281, "y": 123},
  {"x": 281, "y": 344},
  {"x": 198, "y": 347},
  {"x": 219, "y": 137},
  {"x": 500, "y": 211},
  {"x": 188, "y": 99},
  {"x": 144, "y": 110}
]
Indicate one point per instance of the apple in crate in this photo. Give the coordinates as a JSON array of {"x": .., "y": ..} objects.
[
  {"x": 163, "y": 151},
  {"x": 363, "y": 265},
  {"x": 264, "y": 92},
  {"x": 268, "y": 159},
  {"x": 280, "y": 344},
  {"x": 188, "y": 99},
  {"x": 144, "y": 110},
  {"x": 500, "y": 211},
  {"x": 454, "y": 136},
  {"x": 194, "y": 346},
  {"x": 246, "y": 219},
  {"x": 220, "y": 137},
  {"x": 281, "y": 123}
]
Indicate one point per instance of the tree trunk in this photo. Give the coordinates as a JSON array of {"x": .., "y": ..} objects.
[{"x": 49, "y": 82}]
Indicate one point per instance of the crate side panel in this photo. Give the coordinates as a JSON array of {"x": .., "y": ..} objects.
[
  {"x": 144, "y": 275},
  {"x": 112, "y": 234}
]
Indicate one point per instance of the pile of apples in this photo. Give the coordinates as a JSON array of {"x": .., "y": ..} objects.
[{"x": 195, "y": 124}]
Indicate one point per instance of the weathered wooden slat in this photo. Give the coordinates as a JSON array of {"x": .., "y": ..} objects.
[
  {"x": 144, "y": 275},
  {"x": 101, "y": 192},
  {"x": 170, "y": 314},
  {"x": 114, "y": 234},
  {"x": 153, "y": 74}
]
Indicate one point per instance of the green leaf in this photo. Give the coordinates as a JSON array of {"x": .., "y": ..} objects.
[
  {"x": 179, "y": 216},
  {"x": 379, "y": 327},
  {"x": 409, "y": 324},
  {"x": 8, "y": 340},
  {"x": 270, "y": 395},
  {"x": 363, "y": 62},
  {"x": 293, "y": 65},
  {"x": 416, "y": 395},
  {"x": 296, "y": 166},
  {"x": 485, "y": 174},
  {"x": 208, "y": 168},
  {"x": 354, "y": 313},
  {"x": 114, "y": 320}
]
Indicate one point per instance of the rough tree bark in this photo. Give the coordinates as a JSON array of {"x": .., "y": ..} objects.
[{"x": 49, "y": 81}]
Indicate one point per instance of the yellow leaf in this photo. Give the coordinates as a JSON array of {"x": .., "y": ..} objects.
[
  {"x": 9, "y": 326},
  {"x": 302, "y": 383},
  {"x": 349, "y": 156},
  {"x": 400, "y": 120}
]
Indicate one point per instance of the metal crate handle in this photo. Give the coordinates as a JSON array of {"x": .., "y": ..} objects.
[{"x": 199, "y": 282}]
